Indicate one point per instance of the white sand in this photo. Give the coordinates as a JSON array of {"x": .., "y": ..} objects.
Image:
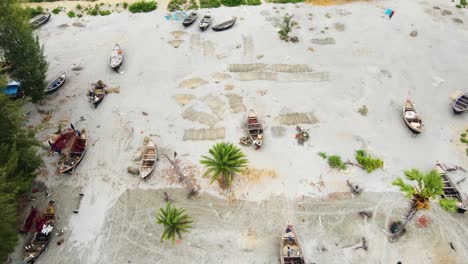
[{"x": 373, "y": 62}]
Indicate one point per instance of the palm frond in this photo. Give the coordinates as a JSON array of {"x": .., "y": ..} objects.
[
  {"x": 404, "y": 187},
  {"x": 175, "y": 221},
  {"x": 449, "y": 204}
]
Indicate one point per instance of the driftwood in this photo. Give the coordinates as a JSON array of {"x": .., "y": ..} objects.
[
  {"x": 354, "y": 188},
  {"x": 182, "y": 178},
  {"x": 355, "y": 164},
  {"x": 167, "y": 198},
  {"x": 365, "y": 214}
]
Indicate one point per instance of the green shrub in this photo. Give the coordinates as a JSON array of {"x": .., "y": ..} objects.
[
  {"x": 142, "y": 7},
  {"x": 174, "y": 5},
  {"x": 104, "y": 12},
  {"x": 193, "y": 4},
  {"x": 335, "y": 162},
  {"x": 56, "y": 10},
  {"x": 369, "y": 163},
  {"x": 79, "y": 7},
  {"x": 209, "y": 3},
  {"x": 458, "y": 6},
  {"x": 251, "y": 2},
  {"x": 101, "y": 4},
  {"x": 92, "y": 12},
  {"x": 32, "y": 12},
  {"x": 125, "y": 5},
  {"x": 79, "y": 15},
  {"x": 71, "y": 14},
  {"x": 117, "y": 5},
  {"x": 463, "y": 2},
  {"x": 323, "y": 155},
  {"x": 231, "y": 2}
]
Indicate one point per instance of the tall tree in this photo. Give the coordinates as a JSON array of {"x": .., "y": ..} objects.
[
  {"x": 428, "y": 186},
  {"x": 226, "y": 159},
  {"x": 22, "y": 48},
  {"x": 19, "y": 164},
  {"x": 175, "y": 221}
]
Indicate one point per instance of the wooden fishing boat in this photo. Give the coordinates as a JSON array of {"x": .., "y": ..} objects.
[
  {"x": 97, "y": 93},
  {"x": 117, "y": 57},
  {"x": 39, "y": 20},
  {"x": 205, "y": 22},
  {"x": 411, "y": 117},
  {"x": 290, "y": 247},
  {"x": 450, "y": 190},
  {"x": 5, "y": 67},
  {"x": 148, "y": 162},
  {"x": 460, "y": 104},
  {"x": 225, "y": 25},
  {"x": 255, "y": 129},
  {"x": 57, "y": 83},
  {"x": 190, "y": 19},
  {"x": 71, "y": 144},
  {"x": 41, "y": 238}
]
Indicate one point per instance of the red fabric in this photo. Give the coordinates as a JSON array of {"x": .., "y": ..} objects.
[
  {"x": 64, "y": 140},
  {"x": 30, "y": 221}
]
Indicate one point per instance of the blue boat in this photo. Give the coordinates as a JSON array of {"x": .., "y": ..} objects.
[{"x": 12, "y": 89}]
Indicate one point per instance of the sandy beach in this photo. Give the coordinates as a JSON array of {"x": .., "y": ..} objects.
[{"x": 188, "y": 89}]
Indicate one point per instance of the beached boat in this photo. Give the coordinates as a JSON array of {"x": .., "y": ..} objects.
[
  {"x": 117, "y": 57},
  {"x": 290, "y": 247},
  {"x": 97, "y": 92},
  {"x": 148, "y": 162},
  {"x": 255, "y": 129},
  {"x": 57, "y": 83},
  {"x": 460, "y": 104},
  {"x": 39, "y": 20},
  {"x": 190, "y": 19},
  {"x": 450, "y": 190},
  {"x": 40, "y": 240},
  {"x": 205, "y": 22},
  {"x": 5, "y": 67},
  {"x": 71, "y": 144},
  {"x": 411, "y": 117},
  {"x": 225, "y": 25}
]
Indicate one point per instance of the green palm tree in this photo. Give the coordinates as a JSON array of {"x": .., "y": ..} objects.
[
  {"x": 226, "y": 159},
  {"x": 429, "y": 186},
  {"x": 174, "y": 220}
]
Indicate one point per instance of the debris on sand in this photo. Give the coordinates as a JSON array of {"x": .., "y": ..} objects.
[
  {"x": 413, "y": 33},
  {"x": 204, "y": 134},
  {"x": 175, "y": 43},
  {"x": 134, "y": 171},
  {"x": 77, "y": 68},
  {"x": 192, "y": 83},
  {"x": 363, "y": 110},
  {"x": 183, "y": 99},
  {"x": 301, "y": 135},
  {"x": 177, "y": 34},
  {"x": 457, "y": 21},
  {"x": 365, "y": 214},
  {"x": 63, "y": 26},
  {"x": 245, "y": 141},
  {"x": 339, "y": 26},
  {"x": 297, "y": 118},
  {"x": 354, "y": 188},
  {"x": 78, "y": 24},
  {"x": 323, "y": 41}
]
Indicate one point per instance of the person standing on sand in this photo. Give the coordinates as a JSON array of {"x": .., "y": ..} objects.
[{"x": 391, "y": 14}]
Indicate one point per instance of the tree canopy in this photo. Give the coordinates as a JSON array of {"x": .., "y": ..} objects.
[{"x": 22, "y": 49}]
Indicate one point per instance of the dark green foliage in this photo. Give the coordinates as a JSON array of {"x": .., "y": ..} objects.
[
  {"x": 369, "y": 163},
  {"x": 125, "y": 5},
  {"x": 56, "y": 10},
  {"x": 251, "y": 2},
  {"x": 335, "y": 162},
  {"x": 19, "y": 164},
  {"x": 175, "y": 221},
  {"x": 323, "y": 155},
  {"x": 22, "y": 49},
  {"x": 104, "y": 12},
  {"x": 225, "y": 159},
  {"x": 193, "y": 5},
  {"x": 459, "y": 6},
  {"x": 463, "y": 2},
  {"x": 231, "y": 2},
  {"x": 209, "y": 3},
  {"x": 71, "y": 14},
  {"x": 175, "y": 5},
  {"x": 92, "y": 12},
  {"x": 286, "y": 27},
  {"x": 32, "y": 12},
  {"x": 464, "y": 140},
  {"x": 142, "y": 7},
  {"x": 79, "y": 7}
]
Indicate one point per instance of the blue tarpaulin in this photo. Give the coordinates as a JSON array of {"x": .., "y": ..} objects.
[
  {"x": 388, "y": 11},
  {"x": 11, "y": 88}
]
